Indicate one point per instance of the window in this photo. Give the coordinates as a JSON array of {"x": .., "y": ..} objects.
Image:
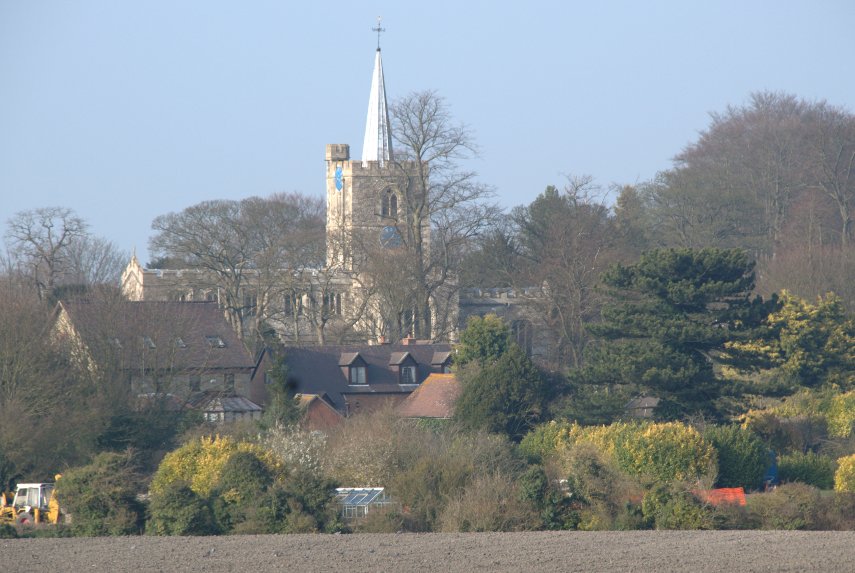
[
  {"x": 215, "y": 341},
  {"x": 229, "y": 382},
  {"x": 408, "y": 374},
  {"x": 389, "y": 208},
  {"x": 357, "y": 375},
  {"x": 293, "y": 304},
  {"x": 332, "y": 304},
  {"x": 250, "y": 303},
  {"x": 522, "y": 333},
  {"x": 195, "y": 382}
]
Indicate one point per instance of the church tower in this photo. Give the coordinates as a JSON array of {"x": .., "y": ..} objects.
[{"x": 365, "y": 200}]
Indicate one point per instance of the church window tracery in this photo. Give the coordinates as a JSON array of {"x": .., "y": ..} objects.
[{"x": 389, "y": 208}]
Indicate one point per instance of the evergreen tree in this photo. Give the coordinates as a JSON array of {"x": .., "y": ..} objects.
[
  {"x": 506, "y": 396},
  {"x": 670, "y": 316}
]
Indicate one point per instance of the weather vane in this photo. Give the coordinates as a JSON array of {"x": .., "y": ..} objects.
[{"x": 379, "y": 30}]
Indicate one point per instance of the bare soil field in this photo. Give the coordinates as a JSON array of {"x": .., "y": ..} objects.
[{"x": 641, "y": 551}]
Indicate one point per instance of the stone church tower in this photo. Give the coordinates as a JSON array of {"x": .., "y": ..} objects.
[{"x": 367, "y": 200}]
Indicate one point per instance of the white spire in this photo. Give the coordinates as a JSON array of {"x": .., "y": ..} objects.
[{"x": 377, "y": 145}]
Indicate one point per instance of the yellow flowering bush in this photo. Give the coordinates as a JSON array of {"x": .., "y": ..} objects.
[
  {"x": 199, "y": 463},
  {"x": 844, "y": 477},
  {"x": 664, "y": 451},
  {"x": 841, "y": 415}
]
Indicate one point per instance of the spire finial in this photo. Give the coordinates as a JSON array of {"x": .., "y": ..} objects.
[{"x": 379, "y": 30}]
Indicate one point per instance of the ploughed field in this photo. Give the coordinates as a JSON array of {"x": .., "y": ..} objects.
[{"x": 641, "y": 551}]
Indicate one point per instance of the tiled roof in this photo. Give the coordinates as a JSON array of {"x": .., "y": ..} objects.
[
  {"x": 321, "y": 369},
  {"x": 216, "y": 402},
  {"x": 722, "y": 496},
  {"x": 434, "y": 398},
  {"x": 177, "y": 335},
  {"x": 397, "y": 358}
]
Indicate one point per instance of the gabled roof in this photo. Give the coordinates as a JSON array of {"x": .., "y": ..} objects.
[
  {"x": 398, "y": 358},
  {"x": 441, "y": 358},
  {"x": 434, "y": 398},
  {"x": 320, "y": 369},
  {"x": 218, "y": 402},
  {"x": 348, "y": 358},
  {"x": 176, "y": 335}
]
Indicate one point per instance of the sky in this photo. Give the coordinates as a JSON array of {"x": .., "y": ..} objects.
[{"x": 123, "y": 111}]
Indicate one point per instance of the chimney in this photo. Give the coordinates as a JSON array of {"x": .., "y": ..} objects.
[
  {"x": 381, "y": 339},
  {"x": 408, "y": 341}
]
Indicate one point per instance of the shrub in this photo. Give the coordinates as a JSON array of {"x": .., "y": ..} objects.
[
  {"x": 483, "y": 340},
  {"x": 8, "y": 531},
  {"x": 488, "y": 503},
  {"x": 841, "y": 415},
  {"x": 200, "y": 462},
  {"x": 241, "y": 486},
  {"x": 305, "y": 499},
  {"x": 178, "y": 510},
  {"x": 101, "y": 496},
  {"x": 598, "y": 490},
  {"x": 508, "y": 395},
  {"x": 551, "y": 503},
  {"x": 791, "y": 506},
  {"x": 844, "y": 477},
  {"x": 742, "y": 456},
  {"x": 665, "y": 452},
  {"x": 809, "y": 468},
  {"x": 675, "y": 507},
  {"x": 542, "y": 441}
]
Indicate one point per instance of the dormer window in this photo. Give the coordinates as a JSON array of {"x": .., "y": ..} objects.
[
  {"x": 441, "y": 362},
  {"x": 215, "y": 341},
  {"x": 353, "y": 366},
  {"x": 357, "y": 375},
  {"x": 408, "y": 374},
  {"x": 115, "y": 343},
  {"x": 149, "y": 343},
  {"x": 179, "y": 342},
  {"x": 404, "y": 365}
]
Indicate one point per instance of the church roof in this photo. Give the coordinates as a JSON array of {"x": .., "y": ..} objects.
[{"x": 377, "y": 145}]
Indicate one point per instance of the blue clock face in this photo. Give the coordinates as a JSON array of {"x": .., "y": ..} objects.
[
  {"x": 339, "y": 181},
  {"x": 390, "y": 238}
]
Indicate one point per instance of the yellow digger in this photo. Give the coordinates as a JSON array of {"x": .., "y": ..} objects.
[{"x": 33, "y": 503}]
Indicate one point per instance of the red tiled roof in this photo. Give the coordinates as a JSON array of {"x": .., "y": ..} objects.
[
  {"x": 722, "y": 496},
  {"x": 434, "y": 398}
]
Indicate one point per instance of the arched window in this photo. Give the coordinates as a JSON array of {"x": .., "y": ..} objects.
[
  {"x": 389, "y": 207},
  {"x": 522, "y": 333}
]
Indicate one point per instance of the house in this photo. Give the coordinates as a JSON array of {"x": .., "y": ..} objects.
[
  {"x": 318, "y": 413},
  {"x": 183, "y": 350},
  {"x": 433, "y": 399},
  {"x": 363, "y": 378},
  {"x": 642, "y": 407}
]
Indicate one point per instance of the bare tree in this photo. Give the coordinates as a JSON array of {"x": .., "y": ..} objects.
[
  {"x": 41, "y": 239},
  {"x": 254, "y": 251},
  {"x": 832, "y": 146},
  {"x": 567, "y": 238},
  {"x": 443, "y": 207}
]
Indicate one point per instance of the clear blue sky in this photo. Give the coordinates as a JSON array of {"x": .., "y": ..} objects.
[{"x": 125, "y": 110}]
